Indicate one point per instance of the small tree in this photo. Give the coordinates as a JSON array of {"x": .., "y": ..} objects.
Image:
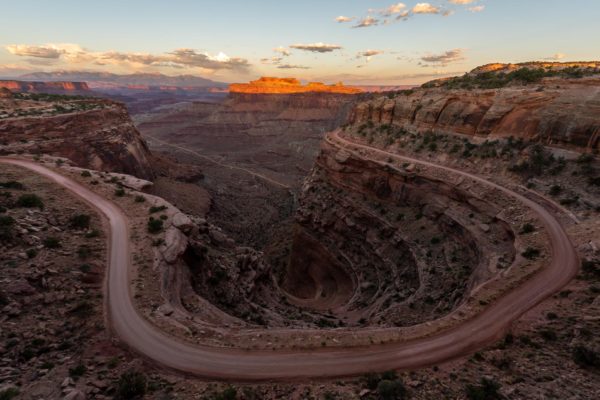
[{"x": 131, "y": 385}]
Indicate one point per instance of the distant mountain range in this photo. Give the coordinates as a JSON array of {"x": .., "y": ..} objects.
[{"x": 104, "y": 79}]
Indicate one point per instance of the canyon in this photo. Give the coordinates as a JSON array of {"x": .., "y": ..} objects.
[{"x": 315, "y": 220}]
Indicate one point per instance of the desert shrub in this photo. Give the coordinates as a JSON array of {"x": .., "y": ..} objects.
[
  {"x": 586, "y": 357},
  {"x": 119, "y": 192},
  {"x": 84, "y": 252},
  {"x": 31, "y": 253},
  {"x": 527, "y": 228},
  {"x": 51, "y": 242},
  {"x": 486, "y": 390},
  {"x": 77, "y": 371},
  {"x": 391, "y": 389},
  {"x": 83, "y": 309},
  {"x": 92, "y": 234},
  {"x": 7, "y": 224},
  {"x": 131, "y": 385},
  {"x": 155, "y": 209},
  {"x": 530, "y": 253},
  {"x": 155, "y": 225},
  {"x": 80, "y": 221},
  {"x": 140, "y": 199},
  {"x": 12, "y": 185},
  {"x": 548, "y": 335},
  {"x": 30, "y": 200},
  {"x": 554, "y": 190},
  {"x": 9, "y": 394},
  {"x": 86, "y": 173}
]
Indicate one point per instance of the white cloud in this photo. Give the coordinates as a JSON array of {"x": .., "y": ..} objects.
[
  {"x": 393, "y": 9},
  {"x": 316, "y": 47},
  {"x": 556, "y": 57},
  {"x": 461, "y": 1},
  {"x": 343, "y": 18},
  {"x": 366, "y": 22},
  {"x": 425, "y": 8},
  {"x": 282, "y": 50},
  {"x": 290, "y": 66},
  {"x": 476, "y": 9},
  {"x": 179, "y": 58},
  {"x": 44, "y": 51}
]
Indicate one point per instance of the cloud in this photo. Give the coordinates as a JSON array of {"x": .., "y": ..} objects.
[
  {"x": 45, "y": 51},
  {"x": 368, "y": 54},
  {"x": 393, "y": 9},
  {"x": 461, "y": 1},
  {"x": 342, "y": 19},
  {"x": 316, "y": 47},
  {"x": 366, "y": 22},
  {"x": 282, "y": 50},
  {"x": 425, "y": 8},
  {"x": 442, "y": 60},
  {"x": 272, "y": 60},
  {"x": 476, "y": 9},
  {"x": 179, "y": 58},
  {"x": 556, "y": 57},
  {"x": 403, "y": 15},
  {"x": 290, "y": 66}
]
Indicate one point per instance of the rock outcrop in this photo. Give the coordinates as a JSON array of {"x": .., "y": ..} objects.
[
  {"x": 96, "y": 134},
  {"x": 556, "y": 112},
  {"x": 270, "y": 85},
  {"x": 46, "y": 87}
]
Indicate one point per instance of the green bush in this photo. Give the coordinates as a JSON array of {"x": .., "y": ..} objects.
[
  {"x": 486, "y": 390},
  {"x": 51, "y": 242},
  {"x": 77, "y": 371},
  {"x": 155, "y": 225},
  {"x": 7, "y": 224},
  {"x": 391, "y": 390},
  {"x": 80, "y": 221},
  {"x": 155, "y": 209},
  {"x": 530, "y": 253},
  {"x": 86, "y": 173},
  {"x": 527, "y": 228},
  {"x": 586, "y": 357},
  {"x": 12, "y": 185},
  {"x": 9, "y": 394},
  {"x": 120, "y": 192},
  {"x": 140, "y": 199},
  {"x": 29, "y": 201},
  {"x": 131, "y": 385}
]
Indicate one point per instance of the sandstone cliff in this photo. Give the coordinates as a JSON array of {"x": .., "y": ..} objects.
[
  {"x": 46, "y": 87},
  {"x": 556, "y": 112},
  {"x": 289, "y": 85},
  {"x": 94, "y": 134}
]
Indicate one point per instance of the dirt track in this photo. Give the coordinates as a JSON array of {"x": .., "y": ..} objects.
[{"x": 243, "y": 365}]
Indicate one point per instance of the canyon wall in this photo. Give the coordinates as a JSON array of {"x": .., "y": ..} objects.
[
  {"x": 556, "y": 112},
  {"x": 46, "y": 87},
  {"x": 270, "y": 85},
  {"x": 102, "y": 138}
]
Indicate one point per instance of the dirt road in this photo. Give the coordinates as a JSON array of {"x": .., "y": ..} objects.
[{"x": 252, "y": 365}]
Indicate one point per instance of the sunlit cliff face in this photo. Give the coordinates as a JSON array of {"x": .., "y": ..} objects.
[{"x": 270, "y": 85}]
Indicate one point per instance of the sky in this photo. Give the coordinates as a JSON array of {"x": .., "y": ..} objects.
[{"x": 354, "y": 41}]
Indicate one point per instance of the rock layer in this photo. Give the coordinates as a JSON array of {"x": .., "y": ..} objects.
[
  {"x": 269, "y": 85},
  {"x": 561, "y": 113}
]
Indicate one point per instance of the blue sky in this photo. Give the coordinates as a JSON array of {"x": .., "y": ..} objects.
[{"x": 407, "y": 42}]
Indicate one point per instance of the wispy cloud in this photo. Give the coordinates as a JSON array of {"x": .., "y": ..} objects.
[
  {"x": 179, "y": 58},
  {"x": 282, "y": 50},
  {"x": 556, "y": 57},
  {"x": 461, "y": 1},
  {"x": 393, "y": 9},
  {"x": 291, "y": 66},
  {"x": 369, "y": 54},
  {"x": 445, "y": 58},
  {"x": 316, "y": 47},
  {"x": 44, "y": 51},
  {"x": 476, "y": 9},
  {"x": 366, "y": 22},
  {"x": 342, "y": 19}
]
